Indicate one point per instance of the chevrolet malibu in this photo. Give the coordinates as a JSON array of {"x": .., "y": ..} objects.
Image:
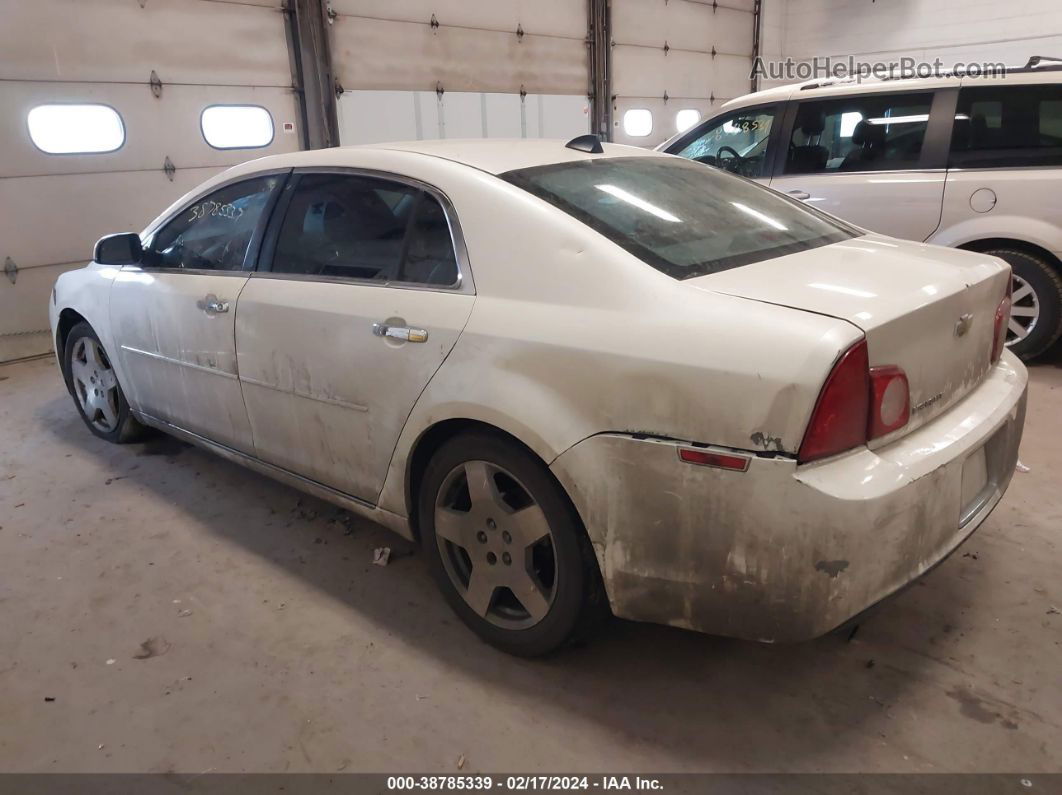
[{"x": 584, "y": 377}]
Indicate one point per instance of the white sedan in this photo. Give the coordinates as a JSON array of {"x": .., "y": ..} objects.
[{"x": 582, "y": 377}]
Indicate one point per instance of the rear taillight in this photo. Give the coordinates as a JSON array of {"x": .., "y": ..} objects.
[
  {"x": 890, "y": 400},
  {"x": 1002, "y": 320},
  {"x": 857, "y": 403},
  {"x": 839, "y": 421}
]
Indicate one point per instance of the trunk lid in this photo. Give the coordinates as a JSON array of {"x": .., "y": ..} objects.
[{"x": 927, "y": 309}]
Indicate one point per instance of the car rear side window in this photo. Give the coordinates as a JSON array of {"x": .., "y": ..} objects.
[
  {"x": 1007, "y": 126},
  {"x": 678, "y": 216},
  {"x": 215, "y": 232},
  {"x": 362, "y": 227},
  {"x": 870, "y": 132}
]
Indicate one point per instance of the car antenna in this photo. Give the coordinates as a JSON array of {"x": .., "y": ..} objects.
[{"x": 586, "y": 143}]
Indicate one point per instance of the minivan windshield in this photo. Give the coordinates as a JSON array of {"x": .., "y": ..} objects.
[{"x": 681, "y": 217}]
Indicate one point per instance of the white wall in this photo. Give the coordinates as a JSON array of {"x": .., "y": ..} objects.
[{"x": 953, "y": 30}]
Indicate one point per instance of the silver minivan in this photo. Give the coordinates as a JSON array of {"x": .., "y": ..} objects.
[{"x": 973, "y": 163}]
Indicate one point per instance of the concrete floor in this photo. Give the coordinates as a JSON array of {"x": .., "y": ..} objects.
[{"x": 278, "y": 646}]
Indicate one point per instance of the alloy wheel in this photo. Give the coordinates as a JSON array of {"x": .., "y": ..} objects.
[
  {"x": 95, "y": 384},
  {"x": 1024, "y": 310},
  {"x": 496, "y": 545}
]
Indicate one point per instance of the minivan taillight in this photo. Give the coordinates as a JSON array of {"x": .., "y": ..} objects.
[
  {"x": 839, "y": 421},
  {"x": 857, "y": 403},
  {"x": 1002, "y": 320}
]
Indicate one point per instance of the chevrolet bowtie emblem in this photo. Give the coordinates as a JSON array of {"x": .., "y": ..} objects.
[{"x": 963, "y": 325}]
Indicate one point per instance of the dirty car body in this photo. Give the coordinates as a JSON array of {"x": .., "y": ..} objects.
[{"x": 766, "y": 420}]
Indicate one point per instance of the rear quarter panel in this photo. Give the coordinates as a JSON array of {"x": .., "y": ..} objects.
[
  {"x": 571, "y": 336},
  {"x": 1020, "y": 204}
]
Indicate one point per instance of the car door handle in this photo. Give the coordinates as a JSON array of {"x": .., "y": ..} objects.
[
  {"x": 213, "y": 305},
  {"x": 404, "y": 333},
  {"x": 799, "y": 194}
]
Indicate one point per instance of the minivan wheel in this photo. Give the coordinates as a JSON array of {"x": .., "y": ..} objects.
[
  {"x": 1036, "y": 311},
  {"x": 94, "y": 386},
  {"x": 506, "y": 546}
]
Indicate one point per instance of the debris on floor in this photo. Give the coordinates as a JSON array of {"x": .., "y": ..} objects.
[
  {"x": 461, "y": 762},
  {"x": 1053, "y": 611},
  {"x": 1020, "y": 467},
  {"x": 343, "y": 520},
  {"x": 152, "y": 647},
  {"x": 184, "y": 613},
  {"x": 381, "y": 555},
  {"x": 111, "y": 661}
]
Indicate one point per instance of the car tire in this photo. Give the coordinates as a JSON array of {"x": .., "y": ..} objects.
[
  {"x": 1046, "y": 299},
  {"x": 94, "y": 386},
  {"x": 482, "y": 502}
]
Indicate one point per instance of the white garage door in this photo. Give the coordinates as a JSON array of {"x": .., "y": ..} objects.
[
  {"x": 460, "y": 69},
  {"x": 103, "y": 53},
  {"x": 675, "y": 61}
]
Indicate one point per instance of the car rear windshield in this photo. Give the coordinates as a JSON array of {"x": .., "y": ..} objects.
[{"x": 683, "y": 218}]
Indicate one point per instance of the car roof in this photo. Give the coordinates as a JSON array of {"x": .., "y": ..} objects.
[
  {"x": 493, "y": 155},
  {"x": 498, "y": 155}
]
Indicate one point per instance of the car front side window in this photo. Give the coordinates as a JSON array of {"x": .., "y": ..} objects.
[
  {"x": 215, "y": 232},
  {"x": 737, "y": 142}
]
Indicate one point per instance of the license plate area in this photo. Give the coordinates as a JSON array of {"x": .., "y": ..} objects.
[{"x": 981, "y": 475}]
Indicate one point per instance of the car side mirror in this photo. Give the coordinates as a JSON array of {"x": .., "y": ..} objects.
[{"x": 120, "y": 249}]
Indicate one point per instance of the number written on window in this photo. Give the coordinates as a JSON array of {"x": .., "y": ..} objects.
[{"x": 737, "y": 142}]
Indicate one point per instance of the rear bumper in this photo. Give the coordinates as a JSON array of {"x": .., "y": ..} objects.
[{"x": 786, "y": 553}]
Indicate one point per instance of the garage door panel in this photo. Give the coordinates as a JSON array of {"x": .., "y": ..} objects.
[
  {"x": 154, "y": 128},
  {"x": 264, "y": 3},
  {"x": 734, "y": 75},
  {"x": 59, "y": 219},
  {"x": 460, "y": 59},
  {"x": 541, "y": 17},
  {"x": 184, "y": 41},
  {"x": 375, "y": 116},
  {"x": 24, "y": 323},
  {"x": 688, "y": 72},
  {"x": 649, "y": 73},
  {"x": 683, "y": 25},
  {"x": 734, "y": 32}
]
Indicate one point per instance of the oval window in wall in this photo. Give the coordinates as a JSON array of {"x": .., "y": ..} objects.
[
  {"x": 686, "y": 118},
  {"x": 72, "y": 129},
  {"x": 237, "y": 126},
  {"x": 638, "y": 122}
]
